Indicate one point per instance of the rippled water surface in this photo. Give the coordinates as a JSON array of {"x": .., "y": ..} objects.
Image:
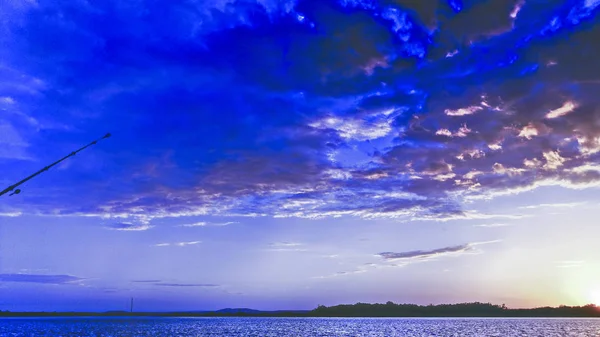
[{"x": 304, "y": 327}]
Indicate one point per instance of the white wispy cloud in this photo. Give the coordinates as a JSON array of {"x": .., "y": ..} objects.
[
  {"x": 178, "y": 244},
  {"x": 287, "y": 247},
  {"x": 11, "y": 214},
  {"x": 569, "y": 264},
  {"x": 555, "y": 205},
  {"x": 468, "y": 215},
  {"x": 341, "y": 273},
  {"x": 491, "y": 194},
  {"x": 12, "y": 144},
  {"x": 515, "y": 12},
  {"x": 208, "y": 224},
  {"x": 287, "y": 250},
  {"x": 285, "y": 244},
  {"x": 126, "y": 226},
  {"x": 492, "y": 225}
]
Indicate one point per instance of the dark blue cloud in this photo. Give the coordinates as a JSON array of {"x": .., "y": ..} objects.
[
  {"x": 35, "y": 278},
  {"x": 306, "y": 108},
  {"x": 171, "y": 284},
  {"x": 423, "y": 254}
]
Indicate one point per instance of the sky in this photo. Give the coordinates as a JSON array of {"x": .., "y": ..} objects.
[{"x": 288, "y": 154}]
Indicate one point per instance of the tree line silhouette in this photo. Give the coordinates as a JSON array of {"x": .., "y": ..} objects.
[{"x": 475, "y": 309}]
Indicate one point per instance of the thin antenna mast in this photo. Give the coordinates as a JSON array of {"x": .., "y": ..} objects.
[{"x": 15, "y": 190}]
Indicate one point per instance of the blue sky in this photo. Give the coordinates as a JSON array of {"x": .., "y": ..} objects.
[{"x": 285, "y": 154}]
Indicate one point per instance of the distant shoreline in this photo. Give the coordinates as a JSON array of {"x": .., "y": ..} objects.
[
  {"x": 364, "y": 310},
  {"x": 161, "y": 315}
]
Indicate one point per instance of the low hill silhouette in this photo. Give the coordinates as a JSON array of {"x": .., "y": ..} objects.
[{"x": 238, "y": 310}]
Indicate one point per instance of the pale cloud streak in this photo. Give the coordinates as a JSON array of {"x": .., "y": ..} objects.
[
  {"x": 286, "y": 246},
  {"x": 208, "y": 224},
  {"x": 570, "y": 264},
  {"x": 178, "y": 244},
  {"x": 555, "y": 205},
  {"x": 126, "y": 226},
  {"x": 493, "y": 225}
]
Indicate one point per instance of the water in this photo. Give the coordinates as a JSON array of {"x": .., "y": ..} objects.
[{"x": 297, "y": 327}]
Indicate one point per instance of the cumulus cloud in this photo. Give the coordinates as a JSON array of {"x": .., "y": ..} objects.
[
  {"x": 553, "y": 160},
  {"x": 463, "y": 111},
  {"x": 357, "y": 129},
  {"x": 528, "y": 131},
  {"x": 352, "y": 106}
]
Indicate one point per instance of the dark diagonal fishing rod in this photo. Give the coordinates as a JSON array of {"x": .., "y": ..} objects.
[{"x": 15, "y": 190}]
